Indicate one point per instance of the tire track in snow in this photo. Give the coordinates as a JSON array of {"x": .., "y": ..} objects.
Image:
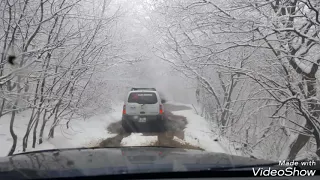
[{"x": 175, "y": 124}]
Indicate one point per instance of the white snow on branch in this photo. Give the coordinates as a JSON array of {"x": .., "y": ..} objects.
[{"x": 305, "y": 68}]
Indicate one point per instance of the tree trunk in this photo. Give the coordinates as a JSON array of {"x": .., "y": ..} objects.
[
  {"x": 313, "y": 108},
  {"x": 34, "y": 139},
  {"x": 42, "y": 127},
  {"x": 51, "y": 132},
  {"x": 13, "y": 115},
  {"x": 298, "y": 144},
  {"x": 14, "y": 111},
  {"x": 13, "y": 135},
  {"x": 2, "y": 106},
  {"x": 26, "y": 136}
]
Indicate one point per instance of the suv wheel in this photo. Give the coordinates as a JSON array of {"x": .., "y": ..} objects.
[
  {"x": 162, "y": 127},
  {"x": 126, "y": 128}
]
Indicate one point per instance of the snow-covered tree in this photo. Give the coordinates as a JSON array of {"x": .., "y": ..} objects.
[{"x": 256, "y": 63}]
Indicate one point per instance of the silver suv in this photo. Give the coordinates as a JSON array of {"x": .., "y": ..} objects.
[{"x": 143, "y": 109}]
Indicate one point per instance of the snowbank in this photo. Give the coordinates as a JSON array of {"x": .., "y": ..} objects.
[
  {"x": 199, "y": 132},
  {"x": 81, "y": 132},
  {"x": 179, "y": 104}
]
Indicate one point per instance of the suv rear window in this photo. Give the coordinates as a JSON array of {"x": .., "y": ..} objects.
[{"x": 143, "y": 98}]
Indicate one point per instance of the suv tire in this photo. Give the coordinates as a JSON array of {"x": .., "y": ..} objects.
[
  {"x": 162, "y": 127},
  {"x": 125, "y": 127}
]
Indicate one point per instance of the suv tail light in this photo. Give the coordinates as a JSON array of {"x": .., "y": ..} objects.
[
  {"x": 161, "y": 109},
  {"x": 124, "y": 109}
]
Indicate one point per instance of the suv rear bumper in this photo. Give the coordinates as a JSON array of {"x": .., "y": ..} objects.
[
  {"x": 152, "y": 122},
  {"x": 149, "y": 118}
]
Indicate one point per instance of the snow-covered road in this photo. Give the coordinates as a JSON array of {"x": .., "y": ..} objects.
[{"x": 90, "y": 132}]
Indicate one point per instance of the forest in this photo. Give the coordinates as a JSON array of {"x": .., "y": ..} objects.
[{"x": 250, "y": 65}]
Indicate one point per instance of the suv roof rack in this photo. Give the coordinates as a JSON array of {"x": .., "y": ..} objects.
[{"x": 137, "y": 89}]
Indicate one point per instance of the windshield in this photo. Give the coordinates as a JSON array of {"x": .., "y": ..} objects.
[
  {"x": 235, "y": 77},
  {"x": 143, "y": 98}
]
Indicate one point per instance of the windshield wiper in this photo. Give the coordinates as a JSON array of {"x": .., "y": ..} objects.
[
  {"x": 88, "y": 148},
  {"x": 173, "y": 147},
  {"x": 64, "y": 149}
]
